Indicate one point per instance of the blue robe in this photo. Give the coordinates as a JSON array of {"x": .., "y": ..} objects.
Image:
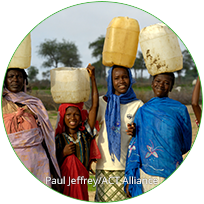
[{"x": 163, "y": 135}]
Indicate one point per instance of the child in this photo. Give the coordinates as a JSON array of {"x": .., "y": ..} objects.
[
  {"x": 116, "y": 109},
  {"x": 75, "y": 143},
  {"x": 162, "y": 133}
]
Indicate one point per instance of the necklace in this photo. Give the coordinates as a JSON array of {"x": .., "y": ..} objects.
[{"x": 71, "y": 139}]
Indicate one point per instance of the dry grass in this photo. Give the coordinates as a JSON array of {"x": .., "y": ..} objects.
[{"x": 144, "y": 93}]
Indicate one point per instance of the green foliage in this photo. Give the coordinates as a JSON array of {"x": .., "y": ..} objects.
[
  {"x": 69, "y": 54},
  {"x": 46, "y": 74},
  {"x": 50, "y": 50},
  {"x": 32, "y": 73},
  {"x": 99, "y": 69},
  {"x": 188, "y": 64},
  {"x": 40, "y": 85},
  {"x": 51, "y": 114},
  {"x": 192, "y": 73},
  {"x": 35, "y": 88},
  {"x": 141, "y": 88},
  {"x": 97, "y": 47},
  {"x": 65, "y": 53},
  {"x": 139, "y": 64}
]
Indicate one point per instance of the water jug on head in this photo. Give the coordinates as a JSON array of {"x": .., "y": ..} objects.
[
  {"x": 160, "y": 49},
  {"x": 22, "y": 57},
  {"x": 70, "y": 85},
  {"x": 121, "y": 42}
]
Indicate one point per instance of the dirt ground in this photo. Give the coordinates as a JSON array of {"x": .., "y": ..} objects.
[{"x": 53, "y": 119}]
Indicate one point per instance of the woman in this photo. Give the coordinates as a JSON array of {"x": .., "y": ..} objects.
[
  {"x": 116, "y": 109},
  {"x": 28, "y": 127},
  {"x": 163, "y": 134}
]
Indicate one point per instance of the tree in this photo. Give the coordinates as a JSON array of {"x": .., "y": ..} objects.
[
  {"x": 97, "y": 47},
  {"x": 69, "y": 54},
  {"x": 46, "y": 74},
  {"x": 188, "y": 64},
  {"x": 32, "y": 73},
  {"x": 99, "y": 72},
  {"x": 139, "y": 64},
  {"x": 55, "y": 52},
  {"x": 192, "y": 73}
]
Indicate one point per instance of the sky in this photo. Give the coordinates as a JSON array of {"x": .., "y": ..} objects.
[
  {"x": 84, "y": 28},
  {"x": 19, "y": 17}
]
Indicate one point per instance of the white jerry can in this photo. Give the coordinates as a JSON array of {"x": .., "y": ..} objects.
[{"x": 160, "y": 49}]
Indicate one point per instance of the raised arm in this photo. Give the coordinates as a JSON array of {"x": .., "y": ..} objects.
[
  {"x": 95, "y": 97},
  {"x": 195, "y": 100}
]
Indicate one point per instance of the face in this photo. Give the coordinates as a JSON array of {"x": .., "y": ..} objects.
[
  {"x": 121, "y": 80},
  {"x": 14, "y": 80},
  {"x": 162, "y": 85},
  {"x": 72, "y": 118}
]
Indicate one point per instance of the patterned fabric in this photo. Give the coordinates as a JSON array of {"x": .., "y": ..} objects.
[
  {"x": 163, "y": 135},
  {"x": 28, "y": 146},
  {"x": 76, "y": 165},
  {"x": 82, "y": 147},
  {"x": 127, "y": 113},
  {"x": 109, "y": 186},
  {"x": 112, "y": 115},
  {"x": 18, "y": 121},
  {"x": 44, "y": 131}
]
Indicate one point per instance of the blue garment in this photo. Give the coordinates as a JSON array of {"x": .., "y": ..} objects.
[
  {"x": 163, "y": 135},
  {"x": 112, "y": 115}
]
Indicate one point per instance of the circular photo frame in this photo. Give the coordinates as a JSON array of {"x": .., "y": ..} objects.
[{"x": 79, "y": 31}]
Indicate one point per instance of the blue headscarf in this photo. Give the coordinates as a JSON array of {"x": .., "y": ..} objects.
[{"x": 112, "y": 115}]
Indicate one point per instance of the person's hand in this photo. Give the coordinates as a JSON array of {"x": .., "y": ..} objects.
[
  {"x": 127, "y": 191},
  {"x": 90, "y": 168},
  {"x": 131, "y": 129},
  {"x": 69, "y": 149},
  {"x": 91, "y": 70}
]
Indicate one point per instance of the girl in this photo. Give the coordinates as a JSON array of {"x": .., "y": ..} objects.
[
  {"x": 116, "y": 109},
  {"x": 75, "y": 143},
  {"x": 163, "y": 134}
]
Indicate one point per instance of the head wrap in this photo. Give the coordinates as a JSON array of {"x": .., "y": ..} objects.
[
  {"x": 60, "y": 126},
  {"x": 112, "y": 115}
]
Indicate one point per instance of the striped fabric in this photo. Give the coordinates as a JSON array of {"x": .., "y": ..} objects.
[{"x": 82, "y": 147}]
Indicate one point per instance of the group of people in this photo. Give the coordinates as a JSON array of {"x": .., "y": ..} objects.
[{"x": 136, "y": 141}]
